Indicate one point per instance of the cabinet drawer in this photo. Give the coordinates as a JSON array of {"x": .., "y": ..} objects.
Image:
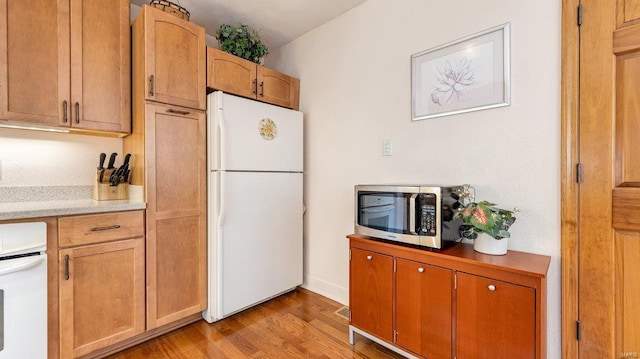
[{"x": 97, "y": 228}]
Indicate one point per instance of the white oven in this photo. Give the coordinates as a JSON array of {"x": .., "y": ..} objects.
[{"x": 23, "y": 290}]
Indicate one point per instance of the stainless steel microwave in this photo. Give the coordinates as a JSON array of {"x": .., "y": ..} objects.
[{"x": 420, "y": 215}]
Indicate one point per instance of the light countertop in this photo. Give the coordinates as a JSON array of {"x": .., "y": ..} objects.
[{"x": 22, "y": 203}]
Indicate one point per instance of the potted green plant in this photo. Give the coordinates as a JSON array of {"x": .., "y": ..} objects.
[
  {"x": 484, "y": 223},
  {"x": 242, "y": 41}
]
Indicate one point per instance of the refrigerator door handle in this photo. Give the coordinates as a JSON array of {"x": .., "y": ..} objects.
[
  {"x": 221, "y": 146},
  {"x": 221, "y": 198},
  {"x": 219, "y": 274}
]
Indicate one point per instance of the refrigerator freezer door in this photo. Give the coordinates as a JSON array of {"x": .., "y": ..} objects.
[
  {"x": 249, "y": 135},
  {"x": 258, "y": 244}
]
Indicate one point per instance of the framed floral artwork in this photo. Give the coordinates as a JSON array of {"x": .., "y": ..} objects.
[{"x": 467, "y": 74}]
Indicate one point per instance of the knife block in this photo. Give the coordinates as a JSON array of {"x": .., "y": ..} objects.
[{"x": 104, "y": 191}]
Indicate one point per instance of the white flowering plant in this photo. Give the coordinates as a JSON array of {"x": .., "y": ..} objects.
[{"x": 482, "y": 217}]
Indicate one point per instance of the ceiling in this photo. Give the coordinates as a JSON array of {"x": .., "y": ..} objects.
[{"x": 277, "y": 21}]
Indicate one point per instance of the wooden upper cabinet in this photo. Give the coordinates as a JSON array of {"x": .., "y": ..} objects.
[
  {"x": 277, "y": 88},
  {"x": 174, "y": 59},
  {"x": 34, "y": 61},
  {"x": 234, "y": 75},
  {"x": 231, "y": 73},
  {"x": 100, "y": 66},
  {"x": 66, "y": 63}
]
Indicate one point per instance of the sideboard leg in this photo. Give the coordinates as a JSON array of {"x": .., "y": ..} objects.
[{"x": 352, "y": 336}]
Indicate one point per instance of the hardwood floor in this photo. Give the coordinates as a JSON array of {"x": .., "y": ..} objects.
[{"x": 300, "y": 324}]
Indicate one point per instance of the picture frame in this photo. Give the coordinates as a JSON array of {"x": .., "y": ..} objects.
[{"x": 468, "y": 74}]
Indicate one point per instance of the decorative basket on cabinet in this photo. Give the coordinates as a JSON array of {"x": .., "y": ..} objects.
[{"x": 171, "y": 8}]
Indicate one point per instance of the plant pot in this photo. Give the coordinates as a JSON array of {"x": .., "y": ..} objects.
[{"x": 489, "y": 245}]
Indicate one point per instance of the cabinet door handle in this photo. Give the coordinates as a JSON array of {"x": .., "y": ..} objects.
[
  {"x": 151, "y": 80},
  {"x": 178, "y": 112},
  {"x": 261, "y": 88},
  {"x": 77, "y": 105},
  {"x": 369, "y": 257},
  {"x": 65, "y": 111},
  {"x": 421, "y": 270},
  {"x": 97, "y": 229},
  {"x": 66, "y": 267},
  {"x": 254, "y": 89},
  {"x": 492, "y": 287}
]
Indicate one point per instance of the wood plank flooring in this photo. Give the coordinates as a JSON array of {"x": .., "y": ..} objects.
[{"x": 300, "y": 324}]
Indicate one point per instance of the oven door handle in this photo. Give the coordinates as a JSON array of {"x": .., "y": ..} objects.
[
  {"x": 412, "y": 213},
  {"x": 22, "y": 265},
  {"x": 378, "y": 209}
]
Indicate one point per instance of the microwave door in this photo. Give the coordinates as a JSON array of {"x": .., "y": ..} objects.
[{"x": 378, "y": 217}]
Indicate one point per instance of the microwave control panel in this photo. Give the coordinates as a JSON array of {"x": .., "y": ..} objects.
[{"x": 427, "y": 225}]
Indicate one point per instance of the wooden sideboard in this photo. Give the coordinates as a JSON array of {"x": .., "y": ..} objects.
[{"x": 451, "y": 303}]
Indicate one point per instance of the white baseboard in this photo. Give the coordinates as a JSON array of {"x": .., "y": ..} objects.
[{"x": 324, "y": 288}]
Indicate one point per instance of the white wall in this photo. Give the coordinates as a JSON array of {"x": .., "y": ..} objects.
[
  {"x": 355, "y": 92},
  {"x": 34, "y": 158}
]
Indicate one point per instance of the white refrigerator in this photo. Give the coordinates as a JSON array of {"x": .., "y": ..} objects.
[{"x": 255, "y": 204}]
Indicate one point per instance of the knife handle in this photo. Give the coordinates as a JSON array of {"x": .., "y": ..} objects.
[
  {"x": 112, "y": 161},
  {"x": 103, "y": 156},
  {"x": 127, "y": 157}
]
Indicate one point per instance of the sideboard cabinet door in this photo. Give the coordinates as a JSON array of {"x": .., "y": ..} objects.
[
  {"x": 495, "y": 319},
  {"x": 423, "y": 308},
  {"x": 371, "y": 293}
]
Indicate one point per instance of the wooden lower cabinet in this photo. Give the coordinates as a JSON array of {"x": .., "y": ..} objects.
[
  {"x": 169, "y": 159},
  {"x": 451, "y": 303},
  {"x": 101, "y": 286},
  {"x": 423, "y": 308},
  {"x": 371, "y": 294},
  {"x": 496, "y": 319}
]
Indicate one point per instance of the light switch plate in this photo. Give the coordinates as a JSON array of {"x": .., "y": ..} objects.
[{"x": 387, "y": 148}]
